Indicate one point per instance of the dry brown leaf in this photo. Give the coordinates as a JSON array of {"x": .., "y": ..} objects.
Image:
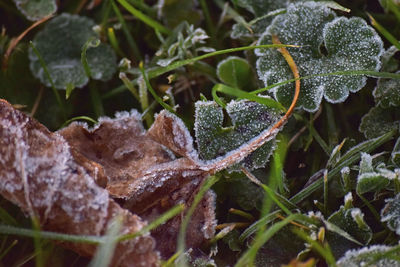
[{"x": 41, "y": 176}]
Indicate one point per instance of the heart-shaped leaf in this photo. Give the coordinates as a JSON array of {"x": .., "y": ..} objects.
[
  {"x": 328, "y": 44},
  {"x": 248, "y": 120},
  {"x": 36, "y": 9},
  {"x": 60, "y": 45}
]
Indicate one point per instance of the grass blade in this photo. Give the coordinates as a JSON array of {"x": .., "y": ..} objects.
[{"x": 144, "y": 18}]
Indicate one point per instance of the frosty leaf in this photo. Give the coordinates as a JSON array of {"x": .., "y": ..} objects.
[
  {"x": 350, "y": 221},
  {"x": 379, "y": 121},
  {"x": 328, "y": 43},
  {"x": 60, "y": 44},
  {"x": 170, "y": 131},
  {"x": 36, "y": 9},
  {"x": 396, "y": 153},
  {"x": 370, "y": 179},
  {"x": 235, "y": 71},
  {"x": 145, "y": 175},
  {"x": 378, "y": 255},
  {"x": 391, "y": 214},
  {"x": 387, "y": 93},
  {"x": 248, "y": 120},
  {"x": 47, "y": 179}
]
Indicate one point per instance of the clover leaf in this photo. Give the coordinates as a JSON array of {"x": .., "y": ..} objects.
[
  {"x": 378, "y": 255},
  {"x": 248, "y": 120},
  {"x": 60, "y": 45},
  {"x": 328, "y": 44},
  {"x": 36, "y": 9}
]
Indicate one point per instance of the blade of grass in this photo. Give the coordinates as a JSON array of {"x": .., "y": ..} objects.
[
  {"x": 140, "y": 4},
  {"x": 393, "y": 40},
  {"x": 144, "y": 18},
  {"x": 248, "y": 257},
  {"x": 324, "y": 251},
  {"x": 114, "y": 42},
  {"x": 278, "y": 160},
  {"x": 12, "y": 230},
  {"x": 37, "y": 243},
  {"x": 153, "y": 93},
  {"x": 7, "y": 218},
  {"x": 5, "y": 251},
  {"x": 160, "y": 220},
  {"x": 78, "y": 118},
  {"x": 105, "y": 252},
  {"x": 47, "y": 73},
  {"x": 125, "y": 29},
  {"x": 155, "y": 72},
  {"x": 269, "y": 102},
  {"x": 92, "y": 42},
  {"x": 177, "y": 64},
  {"x": 211, "y": 180},
  {"x": 347, "y": 159}
]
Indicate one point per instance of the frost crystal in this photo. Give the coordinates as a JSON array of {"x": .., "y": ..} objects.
[{"x": 328, "y": 44}]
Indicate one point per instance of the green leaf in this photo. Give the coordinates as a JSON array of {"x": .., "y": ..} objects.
[
  {"x": 371, "y": 179},
  {"x": 387, "y": 92},
  {"x": 60, "y": 43},
  {"x": 391, "y": 214},
  {"x": 329, "y": 44},
  {"x": 248, "y": 120},
  {"x": 36, "y": 9},
  {"x": 379, "y": 121},
  {"x": 351, "y": 221},
  {"x": 378, "y": 255},
  {"x": 235, "y": 71}
]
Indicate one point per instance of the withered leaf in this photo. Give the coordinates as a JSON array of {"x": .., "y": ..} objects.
[{"x": 40, "y": 174}]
